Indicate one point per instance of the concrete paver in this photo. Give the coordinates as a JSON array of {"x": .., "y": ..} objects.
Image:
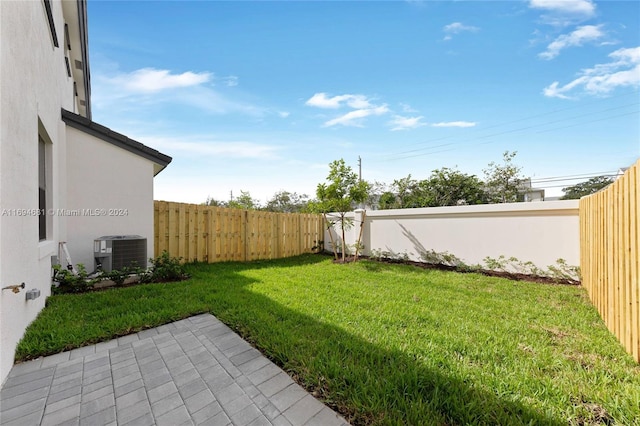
[{"x": 195, "y": 371}]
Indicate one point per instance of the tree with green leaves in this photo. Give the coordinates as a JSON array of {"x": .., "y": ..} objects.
[
  {"x": 591, "y": 186},
  {"x": 450, "y": 187},
  {"x": 244, "y": 202},
  {"x": 340, "y": 194},
  {"x": 215, "y": 203},
  {"x": 387, "y": 201},
  {"x": 503, "y": 181},
  {"x": 405, "y": 193},
  {"x": 376, "y": 191},
  {"x": 287, "y": 202},
  {"x": 445, "y": 187}
]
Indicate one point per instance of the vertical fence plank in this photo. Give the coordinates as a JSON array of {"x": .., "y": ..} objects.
[
  {"x": 623, "y": 253},
  {"x": 609, "y": 250},
  {"x": 200, "y": 235},
  {"x": 634, "y": 255},
  {"x": 162, "y": 227},
  {"x": 156, "y": 227},
  {"x": 191, "y": 229}
]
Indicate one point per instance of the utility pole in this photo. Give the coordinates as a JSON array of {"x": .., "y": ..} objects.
[
  {"x": 359, "y": 168},
  {"x": 231, "y": 195}
]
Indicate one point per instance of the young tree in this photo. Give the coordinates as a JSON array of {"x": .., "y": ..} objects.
[
  {"x": 593, "y": 185},
  {"x": 503, "y": 181},
  {"x": 340, "y": 195},
  {"x": 287, "y": 202}
]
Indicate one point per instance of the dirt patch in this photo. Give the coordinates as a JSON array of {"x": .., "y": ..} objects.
[
  {"x": 591, "y": 414},
  {"x": 555, "y": 333}
]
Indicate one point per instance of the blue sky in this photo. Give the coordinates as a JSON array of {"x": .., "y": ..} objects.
[{"x": 261, "y": 96}]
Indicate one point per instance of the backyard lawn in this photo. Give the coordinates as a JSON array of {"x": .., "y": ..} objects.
[{"x": 388, "y": 344}]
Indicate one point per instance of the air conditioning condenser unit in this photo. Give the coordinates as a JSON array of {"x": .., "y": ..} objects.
[{"x": 114, "y": 252}]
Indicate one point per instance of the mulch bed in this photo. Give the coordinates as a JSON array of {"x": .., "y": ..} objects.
[{"x": 501, "y": 274}]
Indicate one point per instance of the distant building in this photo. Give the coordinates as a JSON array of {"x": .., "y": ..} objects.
[{"x": 527, "y": 193}]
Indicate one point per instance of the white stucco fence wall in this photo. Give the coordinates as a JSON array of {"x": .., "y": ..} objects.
[{"x": 537, "y": 232}]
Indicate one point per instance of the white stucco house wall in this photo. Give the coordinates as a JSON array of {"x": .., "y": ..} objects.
[{"x": 54, "y": 159}]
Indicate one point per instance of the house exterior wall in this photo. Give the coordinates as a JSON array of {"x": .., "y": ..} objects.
[
  {"x": 536, "y": 232},
  {"x": 33, "y": 87},
  {"x": 115, "y": 185}
]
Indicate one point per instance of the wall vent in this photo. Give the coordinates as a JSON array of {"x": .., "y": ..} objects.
[{"x": 115, "y": 252}]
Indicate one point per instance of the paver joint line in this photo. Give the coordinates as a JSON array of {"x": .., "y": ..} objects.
[{"x": 192, "y": 371}]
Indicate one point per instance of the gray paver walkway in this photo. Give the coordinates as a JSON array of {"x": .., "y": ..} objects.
[{"x": 196, "y": 371}]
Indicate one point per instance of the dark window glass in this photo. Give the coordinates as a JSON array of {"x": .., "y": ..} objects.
[{"x": 42, "y": 188}]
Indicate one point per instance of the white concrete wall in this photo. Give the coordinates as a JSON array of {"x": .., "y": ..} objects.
[
  {"x": 536, "y": 232},
  {"x": 101, "y": 176},
  {"x": 33, "y": 85}
]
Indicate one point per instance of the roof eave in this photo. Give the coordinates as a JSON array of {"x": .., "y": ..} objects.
[{"x": 160, "y": 160}]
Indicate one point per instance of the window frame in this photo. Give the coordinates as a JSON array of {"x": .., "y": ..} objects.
[
  {"x": 44, "y": 180},
  {"x": 52, "y": 25}
]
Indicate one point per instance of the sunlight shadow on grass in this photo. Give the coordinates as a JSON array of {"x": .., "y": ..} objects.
[{"x": 365, "y": 382}]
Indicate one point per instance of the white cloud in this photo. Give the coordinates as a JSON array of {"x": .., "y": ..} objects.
[
  {"x": 352, "y": 118},
  {"x": 582, "y": 7},
  {"x": 405, "y": 123},
  {"x": 231, "y": 81},
  {"x": 321, "y": 100},
  {"x": 361, "y": 105},
  {"x": 407, "y": 108},
  {"x": 150, "y": 80},
  {"x": 284, "y": 114},
  {"x": 149, "y": 89},
  {"x": 581, "y": 35},
  {"x": 457, "y": 28},
  {"x": 561, "y": 13},
  {"x": 623, "y": 70},
  {"x": 454, "y": 124}
]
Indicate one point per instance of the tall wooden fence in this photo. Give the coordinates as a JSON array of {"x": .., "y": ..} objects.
[
  {"x": 609, "y": 251},
  {"x": 214, "y": 234}
]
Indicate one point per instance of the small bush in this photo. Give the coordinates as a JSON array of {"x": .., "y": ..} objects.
[
  {"x": 165, "y": 268},
  {"x": 68, "y": 282},
  {"x": 118, "y": 276}
]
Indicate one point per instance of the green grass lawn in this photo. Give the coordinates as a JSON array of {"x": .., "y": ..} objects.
[{"x": 388, "y": 344}]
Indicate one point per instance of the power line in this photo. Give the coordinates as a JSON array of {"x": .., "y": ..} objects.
[
  {"x": 582, "y": 105},
  {"x": 573, "y": 177},
  {"x": 569, "y": 179},
  {"x": 592, "y": 121},
  {"x": 521, "y": 129}
]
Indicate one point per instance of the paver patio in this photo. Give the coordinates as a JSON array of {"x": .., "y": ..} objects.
[{"x": 190, "y": 372}]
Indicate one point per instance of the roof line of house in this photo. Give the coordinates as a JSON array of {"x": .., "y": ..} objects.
[{"x": 118, "y": 139}]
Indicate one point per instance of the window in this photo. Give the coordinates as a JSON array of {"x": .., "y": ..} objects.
[
  {"x": 42, "y": 188},
  {"x": 52, "y": 26}
]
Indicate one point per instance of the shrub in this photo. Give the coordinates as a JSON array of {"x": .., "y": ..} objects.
[
  {"x": 165, "y": 268},
  {"x": 68, "y": 282},
  {"x": 118, "y": 276}
]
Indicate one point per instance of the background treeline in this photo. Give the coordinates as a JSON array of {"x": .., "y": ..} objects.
[{"x": 502, "y": 182}]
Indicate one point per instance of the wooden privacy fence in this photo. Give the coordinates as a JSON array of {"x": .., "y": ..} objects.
[
  {"x": 609, "y": 252},
  {"x": 215, "y": 234}
]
